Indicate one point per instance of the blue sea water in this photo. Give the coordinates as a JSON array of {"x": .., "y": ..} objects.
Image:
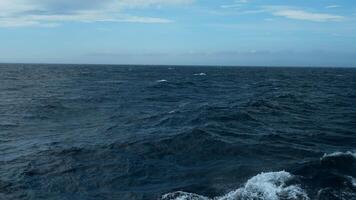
[{"x": 177, "y": 133}]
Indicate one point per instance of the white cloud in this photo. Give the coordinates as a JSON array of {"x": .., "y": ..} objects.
[
  {"x": 287, "y": 12},
  {"x": 144, "y": 3},
  {"x": 333, "y": 6},
  {"x": 298, "y": 14},
  {"x": 243, "y": 1},
  {"x": 231, "y": 6},
  {"x": 303, "y": 15},
  {"x": 16, "y": 13},
  {"x": 237, "y": 4}
]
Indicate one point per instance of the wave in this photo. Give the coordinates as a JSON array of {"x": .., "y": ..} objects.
[
  {"x": 200, "y": 74},
  {"x": 331, "y": 177},
  {"x": 353, "y": 181},
  {"x": 339, "y": 154},
  {"x": 264, "y": 186},
  {"x": 161, "y": 81}
]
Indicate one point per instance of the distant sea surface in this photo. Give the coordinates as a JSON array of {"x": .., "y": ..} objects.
[{"x": 89, "y": 132}]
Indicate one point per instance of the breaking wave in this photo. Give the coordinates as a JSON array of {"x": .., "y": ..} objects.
[
  {"x": 332, "y": 177},
  {"x": 264, "y": 186},
  {"x": 339, "y": 154}
]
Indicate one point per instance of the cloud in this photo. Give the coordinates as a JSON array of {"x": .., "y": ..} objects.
[
  {"x": 285, "y": 11},
  {"x": 231, "y": 6},
  {"x": 145, "y": 3},
  {"x": 243, "y": 1},
  {"x": 333, "y": 6},
  {"x": 17, "y": 13},
  {"x": 237, "y": 4},
  {"x": 298, "y": 14}
]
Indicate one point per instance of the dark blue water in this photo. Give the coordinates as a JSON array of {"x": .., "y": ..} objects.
[{"x": 184, "y": 133}]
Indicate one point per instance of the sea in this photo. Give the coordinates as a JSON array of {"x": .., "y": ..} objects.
[{"x": 98, "y": 132}]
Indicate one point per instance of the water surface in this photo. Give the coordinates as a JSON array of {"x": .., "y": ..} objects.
[{"x": 146, "y": 132}]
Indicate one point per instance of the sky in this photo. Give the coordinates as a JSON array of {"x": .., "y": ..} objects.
[{"x": 179, "y": 32}]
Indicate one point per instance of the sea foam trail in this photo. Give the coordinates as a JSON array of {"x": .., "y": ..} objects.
[{"x": 264, "y": 186}]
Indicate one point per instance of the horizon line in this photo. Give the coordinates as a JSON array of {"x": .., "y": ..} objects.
[{"x": 178, "y": 65}]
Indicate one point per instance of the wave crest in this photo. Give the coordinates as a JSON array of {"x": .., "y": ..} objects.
[
  {"x": 339, "y": 154},
  {"x": 264, "y": 186}
]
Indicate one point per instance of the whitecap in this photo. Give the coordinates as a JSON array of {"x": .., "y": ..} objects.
[
  {"x": 337, "y": 154},
  {"x": 200, "y": 74},
  {"x": 352, "y": 180},
  {"x": 183, "y": 196},
  {"x": 161, "y": 81},
  {"x": 264, "y": 186}
]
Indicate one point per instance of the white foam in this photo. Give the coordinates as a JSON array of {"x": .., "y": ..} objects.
[
  {"x": 352, "y": 180},
  {"x": 336, "y": 154},
  {"x": 183, "y": 196},
  {"x": 269, "y": 186},
  {"x": 161, "y": 81},
  {"x": 264, "y": 186},
  {"x": 172, "y": 112},
  {"x": 200, "y": 74}
]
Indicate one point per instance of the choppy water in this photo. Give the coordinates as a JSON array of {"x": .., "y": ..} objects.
[{"x": 177, "y": 133}]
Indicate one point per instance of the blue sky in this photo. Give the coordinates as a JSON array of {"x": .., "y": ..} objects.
[{"x": 187, "y": 32}]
